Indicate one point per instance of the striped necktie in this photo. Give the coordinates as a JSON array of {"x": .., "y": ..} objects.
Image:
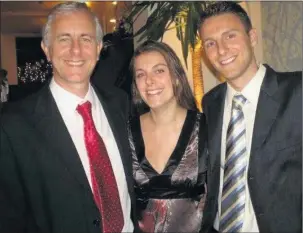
[{"x": 233, "y": 193}]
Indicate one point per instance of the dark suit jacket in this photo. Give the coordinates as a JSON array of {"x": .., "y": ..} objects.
[
  {"x": 275, "y": 166},
  {"x": 43, "y": 184}
]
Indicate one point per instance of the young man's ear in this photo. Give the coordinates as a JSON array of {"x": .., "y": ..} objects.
[
  {"x": 253, "y": 36},
  {"x": 45, "y": 50}
]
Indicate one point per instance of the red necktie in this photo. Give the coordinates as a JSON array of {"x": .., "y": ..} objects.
[{"x": 103, "y": 180}]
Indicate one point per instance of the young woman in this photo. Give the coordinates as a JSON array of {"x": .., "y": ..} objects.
[{"x": 168, "y": 143}]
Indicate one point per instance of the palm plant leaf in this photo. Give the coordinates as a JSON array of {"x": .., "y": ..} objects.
[{"x": 185, "y": 15}]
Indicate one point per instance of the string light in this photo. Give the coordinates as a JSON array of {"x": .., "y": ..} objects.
[{"x": 38, "y": 71}]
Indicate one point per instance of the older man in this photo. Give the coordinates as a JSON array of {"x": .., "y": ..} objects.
[{"x": 65, "y": 163}]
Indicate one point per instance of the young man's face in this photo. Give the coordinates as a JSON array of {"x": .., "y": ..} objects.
[{"x": 229, "y": 47}]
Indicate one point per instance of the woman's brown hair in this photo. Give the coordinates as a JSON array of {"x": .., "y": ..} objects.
[{"x": 181, "y": 88}]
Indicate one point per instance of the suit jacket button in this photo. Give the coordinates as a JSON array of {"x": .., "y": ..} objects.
[
  {"x": 251, "y": 178},
  {"x": 96, "y": 222}
]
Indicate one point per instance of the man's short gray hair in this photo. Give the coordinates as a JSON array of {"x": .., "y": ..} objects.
[{"x": 65, "y": 8}]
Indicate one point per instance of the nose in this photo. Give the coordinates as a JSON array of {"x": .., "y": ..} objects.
[
  {"x": 222, "y": 47},
  {"x": 75, "y": 47},
  {"x": 149, "y": 79}
]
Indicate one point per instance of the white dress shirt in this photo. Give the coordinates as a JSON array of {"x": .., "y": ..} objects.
[
  {"x": 251, "y": 92},
  {"x": 67, "y": 104}
]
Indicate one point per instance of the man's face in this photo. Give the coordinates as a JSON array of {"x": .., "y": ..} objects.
[
  {"x": 73, "y": 48},
  {"x": 229, "y": 47}
]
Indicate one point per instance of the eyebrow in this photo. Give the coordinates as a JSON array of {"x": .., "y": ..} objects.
[
  {"x": 89, "y": 35},
  {"x": 228, "y": 31},
  {"x": 63, "y": 34},
  {"x": 68, "y": 34},
  {"x": 155, "y": 66},
  {"x": 159, "y": 64}
]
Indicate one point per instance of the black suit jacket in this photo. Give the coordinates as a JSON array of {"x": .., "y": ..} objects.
[
  {"x": 275, "y": 166},
  {"x": 43, "y": 184}
]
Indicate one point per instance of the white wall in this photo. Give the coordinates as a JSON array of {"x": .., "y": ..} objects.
[{"x": 282, "y": 34}]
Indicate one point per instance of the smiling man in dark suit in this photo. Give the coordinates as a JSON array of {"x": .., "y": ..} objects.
[
  {"x": 64, "y": 162},
  {"x": 255, "y": 132}
]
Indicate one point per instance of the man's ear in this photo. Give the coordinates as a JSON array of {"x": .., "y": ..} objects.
[
  {"x": 45, "y": 50},
  {"x": 253, "y": 37}
]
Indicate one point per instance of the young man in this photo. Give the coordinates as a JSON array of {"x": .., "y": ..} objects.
[
  {"x": 255, "y": 132},
  {"x": 65, "y": 164}
]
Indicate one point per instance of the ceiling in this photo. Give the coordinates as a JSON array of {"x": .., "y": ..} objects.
[{"x": 26, "y": 18}]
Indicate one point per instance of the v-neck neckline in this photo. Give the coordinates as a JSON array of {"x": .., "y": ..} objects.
[{"x": 177, "y": 153}]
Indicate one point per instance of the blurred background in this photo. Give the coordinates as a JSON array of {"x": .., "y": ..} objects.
[{"x": 278, "y": 24}]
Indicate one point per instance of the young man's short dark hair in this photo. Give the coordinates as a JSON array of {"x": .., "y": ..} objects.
[{"x": 219, "y": 8}]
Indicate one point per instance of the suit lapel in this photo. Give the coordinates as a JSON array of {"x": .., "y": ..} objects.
[
  {"x": 267, "y": 109},
  {"x": 117, "y": 123},
  {"x": 52, "y": 127},
  {"x": 216, "y": 110},
  {"x": 214, "y": 121}
]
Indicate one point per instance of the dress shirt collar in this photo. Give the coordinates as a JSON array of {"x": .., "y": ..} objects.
[
  {"x": 251, "y": 91},
  {"x": 68, "y": 101}
]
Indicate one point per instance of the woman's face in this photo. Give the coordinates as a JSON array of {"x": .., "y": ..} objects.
[{"x": 153, "y": 79}]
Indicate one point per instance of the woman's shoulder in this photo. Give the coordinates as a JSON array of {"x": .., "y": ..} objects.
[{"x": 135, "y": 122}]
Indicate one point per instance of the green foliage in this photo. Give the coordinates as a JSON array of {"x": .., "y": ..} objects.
[{"x": 185, "y": 15}]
